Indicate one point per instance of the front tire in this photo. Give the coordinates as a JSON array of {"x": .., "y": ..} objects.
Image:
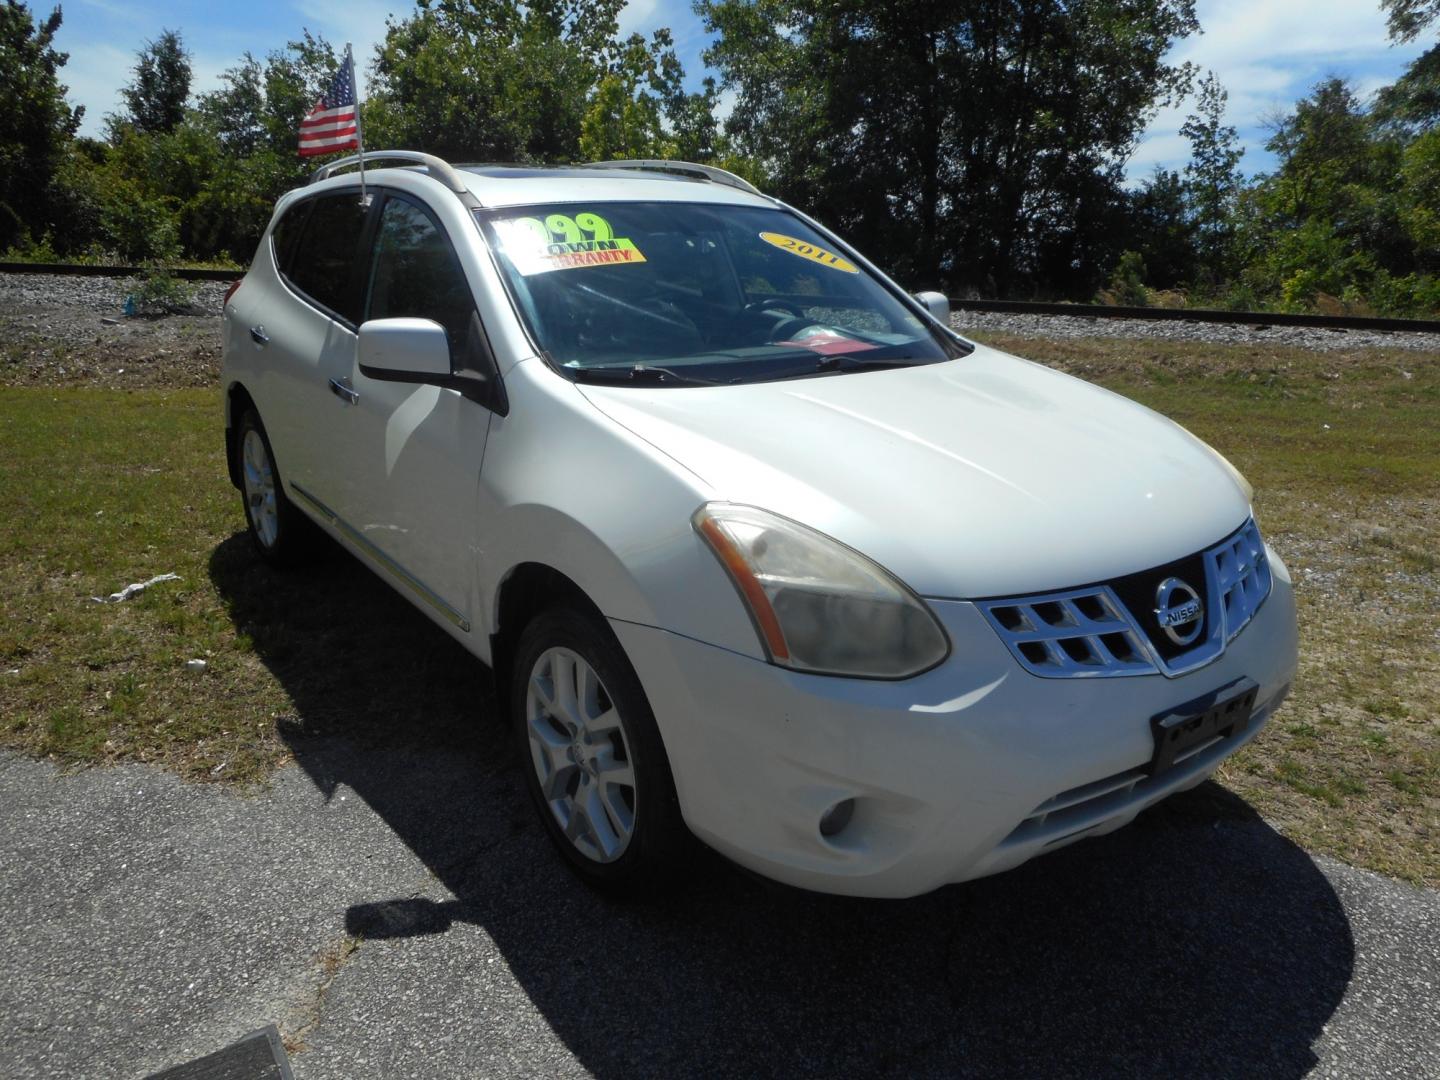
[
  {"x": 591, "y": 754},
  {"x": 282, "y": 535}
]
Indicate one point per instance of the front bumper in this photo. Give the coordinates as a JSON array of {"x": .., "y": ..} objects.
[{"x": 966, "y": 770}]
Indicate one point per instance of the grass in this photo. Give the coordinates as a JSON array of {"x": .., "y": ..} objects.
[
  {"x": 99, "y": 489},
  {"x": 102, "y": 488}
]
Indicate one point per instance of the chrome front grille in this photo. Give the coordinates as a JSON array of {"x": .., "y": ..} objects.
[
  {"x": 1091, "y": 632},
  {"x": 1240, "y": 573},
  {"x": 1080, "y": 633}
]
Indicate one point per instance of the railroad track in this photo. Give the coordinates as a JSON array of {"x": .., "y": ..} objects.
[{"x": 1000, "y": 307}]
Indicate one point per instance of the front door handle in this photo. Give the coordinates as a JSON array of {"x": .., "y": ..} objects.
[
  {"x": 343, "y": 392},
  {"x": 258, "y": 335}
]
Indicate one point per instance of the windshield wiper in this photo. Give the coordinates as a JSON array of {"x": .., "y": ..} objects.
[
  {"x": 850, "y": 362},
  {"x": 640, "y": 375},
  {"x": 860, "y": 362}
]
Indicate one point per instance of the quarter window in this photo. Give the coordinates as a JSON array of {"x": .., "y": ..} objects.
[
  {"x": 287, "y": 231},
  {"x": 323, "y": 261}
]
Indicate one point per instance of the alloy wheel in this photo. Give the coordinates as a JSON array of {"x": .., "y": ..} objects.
[
  {"x": 580, "y": 755},
  {"x": 259, "y": 477}
]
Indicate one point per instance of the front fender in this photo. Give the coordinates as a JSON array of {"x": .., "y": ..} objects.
[{"x": 566, "y": 487}]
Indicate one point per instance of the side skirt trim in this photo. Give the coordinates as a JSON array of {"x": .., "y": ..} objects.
[{"x": 360, "y": 540}]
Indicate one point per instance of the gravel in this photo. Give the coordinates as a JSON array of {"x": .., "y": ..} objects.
[
  {"x": 1060, "y": 327},
  {"x": 103, "y": 294},
  {"x": 58, "y": 330}
]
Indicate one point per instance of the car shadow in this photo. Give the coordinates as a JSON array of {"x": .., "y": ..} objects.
[{"x": 1197, "y": 941}]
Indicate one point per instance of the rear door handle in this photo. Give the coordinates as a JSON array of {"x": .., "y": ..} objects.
[
  {"x": 343, "y": 392},
  {"x": 258, "y": 335}
]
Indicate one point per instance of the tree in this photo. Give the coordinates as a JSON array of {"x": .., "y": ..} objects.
[
  {"x": 253, "y": 119},
  {"x": 156, "y": 97},
  {"x": 1212, "y": 178},
  {"x": 491, "y": 80},
  {"x": 625, "y": 118},
  {"x": 979, "y": 141},
  {"x": 1323, "y": 148},
  {"x": 1409, "y": 17},
  {"x": 1161, "y": 230},
  {"x": 36, "y": 123}
]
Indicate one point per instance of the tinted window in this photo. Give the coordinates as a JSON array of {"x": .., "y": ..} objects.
[
  {"x": 323, "y": 262},
  {"x": 287, "y": 230},
  {"x": 416, "y": 274}
]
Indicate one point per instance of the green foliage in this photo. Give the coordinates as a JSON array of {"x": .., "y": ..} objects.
[
  {"x": 1127, "y": 281},
  {"x": 1409, "y": 17},
  {"x": 160, "y": 292},
  {"x": 1212, "y": 180},
  {"x": 36, "y": 124},
  {"x": 979, "y": 142},
  {"x": 491, "y": 80},
  {"x": 156, "y": 97},
  {"x": 1162, "y": 230}
]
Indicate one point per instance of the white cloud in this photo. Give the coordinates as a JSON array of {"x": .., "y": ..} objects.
[
  {"x": 94, "y": 75},
  {"x": 1157, "y": 150},
  {"x": 1268, "y": 54},
  {"x": 639, "y": 16}
]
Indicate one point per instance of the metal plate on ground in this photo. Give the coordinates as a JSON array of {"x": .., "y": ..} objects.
[{"x": 258, "y": 1056}]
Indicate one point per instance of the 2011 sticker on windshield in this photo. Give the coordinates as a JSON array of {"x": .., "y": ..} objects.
[
  {"x": 562, "y": 242},
  {"x": 809, "y": 251}
]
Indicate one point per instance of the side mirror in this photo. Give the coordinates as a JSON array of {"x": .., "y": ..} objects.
[
  {"x": 404, "y": 350},
  {"x": 936, "y": 304}
]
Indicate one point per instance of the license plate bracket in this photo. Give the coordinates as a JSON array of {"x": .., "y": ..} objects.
[{"x": 1224, "y": 712}]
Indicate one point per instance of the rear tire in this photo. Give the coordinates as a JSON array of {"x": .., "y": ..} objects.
[
  {"x": 592, "y": 756},
  {"x": 282, "y": 535}
]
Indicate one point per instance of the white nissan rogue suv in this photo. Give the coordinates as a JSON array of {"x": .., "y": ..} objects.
[{"x": 758, "y": 548}]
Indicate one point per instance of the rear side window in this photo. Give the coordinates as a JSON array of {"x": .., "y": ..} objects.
[
  {"x": 287, "y": 230},
  {"x": 322, "y": 264},
  {"x": 416, "y": 274}
]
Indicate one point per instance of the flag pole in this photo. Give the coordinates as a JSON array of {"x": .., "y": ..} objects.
[{"x": 359, "y": 132}]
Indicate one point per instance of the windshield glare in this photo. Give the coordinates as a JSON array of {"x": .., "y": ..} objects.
[{"x": 712, "y": 294}]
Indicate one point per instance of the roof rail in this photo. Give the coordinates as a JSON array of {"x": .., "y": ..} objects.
[
  {"x": 680, "y": 168},
  {"x": 439, "y": 168}
]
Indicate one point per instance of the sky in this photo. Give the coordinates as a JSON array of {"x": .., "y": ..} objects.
[{"x": 1268, "y": 53}]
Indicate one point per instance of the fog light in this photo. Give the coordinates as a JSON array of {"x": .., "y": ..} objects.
[{"x": 837, "y": 817}]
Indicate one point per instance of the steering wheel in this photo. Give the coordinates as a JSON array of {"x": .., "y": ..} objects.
[
  {"x": 776, "y": 305},
  {"x": 791, "y": 321}
]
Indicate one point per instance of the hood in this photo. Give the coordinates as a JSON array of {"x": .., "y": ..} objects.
[{"x": 983, "y": 476}]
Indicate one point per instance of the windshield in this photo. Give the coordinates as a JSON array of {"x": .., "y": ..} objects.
[{"x": 686, "y": 293}]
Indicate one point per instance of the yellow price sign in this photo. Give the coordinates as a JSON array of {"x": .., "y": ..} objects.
[
  {"x": 809, "y": 251},
  {"x": 562, "y": 242}
]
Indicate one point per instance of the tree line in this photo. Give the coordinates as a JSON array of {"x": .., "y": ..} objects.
[{"x": 978, "y": 146}]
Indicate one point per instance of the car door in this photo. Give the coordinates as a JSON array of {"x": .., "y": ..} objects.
[
  {"x": 309, "y": 336},
  {"x": 412, "y": 452}
]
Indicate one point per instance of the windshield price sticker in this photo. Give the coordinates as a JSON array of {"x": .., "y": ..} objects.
[
  {"x": 562, "y": 242},
  {"x": 808, "y": 251}
]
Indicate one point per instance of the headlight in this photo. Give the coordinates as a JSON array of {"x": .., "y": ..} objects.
[{"x": 817, "y": 605}]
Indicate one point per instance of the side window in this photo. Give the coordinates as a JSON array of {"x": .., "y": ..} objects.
[
  {"x": 414, "y": 273},
  {"x": 321, "y": 264},
  {"x": 287, "y": 230}
]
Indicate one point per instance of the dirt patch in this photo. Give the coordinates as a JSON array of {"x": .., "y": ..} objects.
[{"x": 75, "y": 345}]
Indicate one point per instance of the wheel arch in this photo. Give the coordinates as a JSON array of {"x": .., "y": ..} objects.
[
  {"x": 237, "y": 401},
  {"x": 526, "y": 590}
]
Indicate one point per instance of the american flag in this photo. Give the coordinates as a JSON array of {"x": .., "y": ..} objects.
[{"x": 333, "y": 124}]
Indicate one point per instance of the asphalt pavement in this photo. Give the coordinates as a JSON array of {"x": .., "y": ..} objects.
[{"x": 395, "y": 912}]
